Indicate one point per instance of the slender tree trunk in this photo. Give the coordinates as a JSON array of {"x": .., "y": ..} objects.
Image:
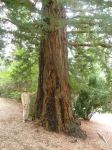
[{"x": 54, "y": 96}]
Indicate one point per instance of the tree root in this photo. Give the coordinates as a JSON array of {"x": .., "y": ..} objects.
[{"x": 75, "y": 130}]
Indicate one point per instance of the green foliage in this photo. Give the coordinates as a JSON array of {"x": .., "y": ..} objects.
[
  {"x": 24, "y": 70},
  {"x": 16, "y": 95},
  {"x": 19, "y": 3},
  {"x": 8, "y": 89},
  {"x": 93, "y": 97},
  {"x": 90, "y": 78}
]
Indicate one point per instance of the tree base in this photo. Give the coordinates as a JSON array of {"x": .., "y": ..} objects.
[
  {"x": 76, "y": 131},
  {"x": 72, "y": 129}
]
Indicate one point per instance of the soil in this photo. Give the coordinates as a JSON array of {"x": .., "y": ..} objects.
[{"x": 16, "y": 135}]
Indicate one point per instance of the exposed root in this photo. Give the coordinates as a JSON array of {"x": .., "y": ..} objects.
[{"x": 76, "y": 131}]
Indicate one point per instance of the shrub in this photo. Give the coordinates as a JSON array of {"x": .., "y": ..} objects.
[{"x": 93, "y": 97}]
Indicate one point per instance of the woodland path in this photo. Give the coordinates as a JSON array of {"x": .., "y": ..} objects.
[{"x": 16, "y": 135}]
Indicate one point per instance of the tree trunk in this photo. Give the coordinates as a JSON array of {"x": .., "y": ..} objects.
[{"x": 54, "y": 97}]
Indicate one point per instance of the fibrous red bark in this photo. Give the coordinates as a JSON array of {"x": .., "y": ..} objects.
[{"x": 54, "y": 95}]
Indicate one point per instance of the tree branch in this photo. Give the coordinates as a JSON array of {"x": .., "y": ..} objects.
[
  {"x": 89, "y": 45},
  {"x": 80, "y": 31}
]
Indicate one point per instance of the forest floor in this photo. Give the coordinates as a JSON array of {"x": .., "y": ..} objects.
[{"x": 16, "y": 135}]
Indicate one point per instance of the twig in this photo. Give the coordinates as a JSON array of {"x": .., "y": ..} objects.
[{"x": 104, "y": 140}]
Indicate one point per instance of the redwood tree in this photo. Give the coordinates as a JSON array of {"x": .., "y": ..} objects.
[{"x": 54, "y": 96}]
